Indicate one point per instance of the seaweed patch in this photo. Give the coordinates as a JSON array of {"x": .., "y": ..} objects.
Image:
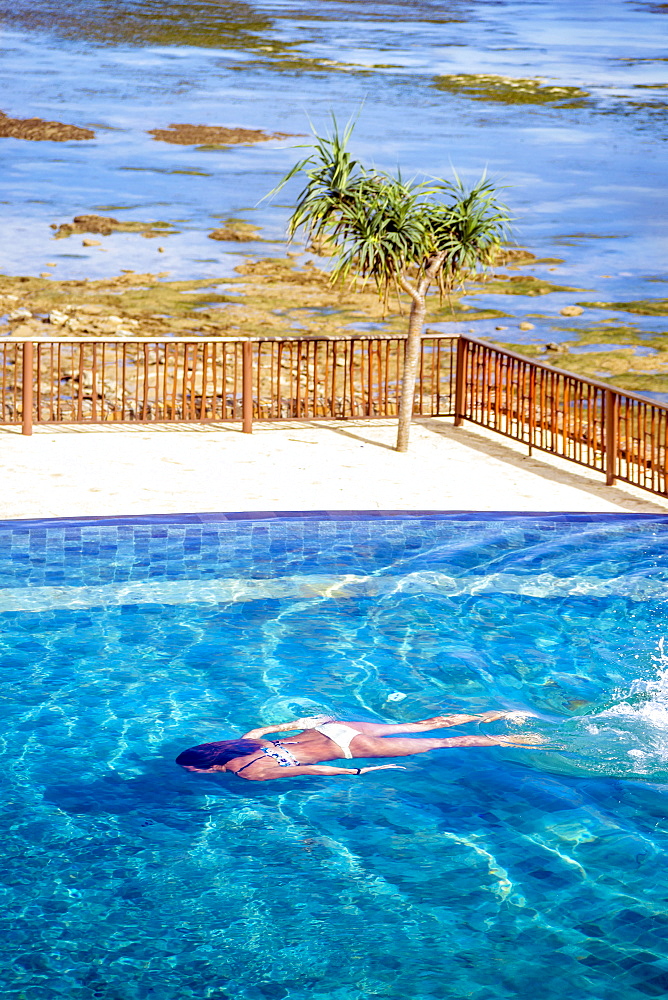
[
  {"x": 39, "y": 130},
  {"x": 105, "y": 225},
  {"x": 642, "y": 307},
  {"x": 517, "y": 284},
  {"x": 236, "y": 231},
  {"x": 213, "y": 135},
  {"x": 509, "y": 90}
]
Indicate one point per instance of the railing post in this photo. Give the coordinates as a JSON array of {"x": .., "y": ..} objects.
[
  {"x": 460, "y": 381},
  {"x": 611, "y": 437},
  {"x": 27, "y": 387},
  {"x": 247, "y": 386},
  {"x": 532, "y": 407}
]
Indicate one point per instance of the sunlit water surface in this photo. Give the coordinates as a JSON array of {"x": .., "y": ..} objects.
[{"x": 504, "y": 873}]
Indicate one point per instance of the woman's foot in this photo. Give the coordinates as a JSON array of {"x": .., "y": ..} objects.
[
  {"x": 510, "y": 716},
  {"x": 521, "y": 739}
]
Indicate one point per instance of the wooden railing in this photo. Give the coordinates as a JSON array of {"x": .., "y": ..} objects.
[
  {"x": 82, "y": 380},
  {"x": 621, "y": 434},
  {"x": 89, "y": 381}
]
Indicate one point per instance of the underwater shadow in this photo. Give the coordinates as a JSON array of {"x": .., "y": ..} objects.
[{"x": 162, "y": 792}]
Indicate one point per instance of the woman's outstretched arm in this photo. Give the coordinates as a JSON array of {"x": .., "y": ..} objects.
[
  {"x": 283, "y": 727},
  {"x": 306, "y": 722},
  {"x": 317, "y": 770}
]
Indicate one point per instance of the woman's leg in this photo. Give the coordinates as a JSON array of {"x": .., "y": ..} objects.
[
  {"x": 372, "y": 746},
  {"x": 424, "y": 726}
]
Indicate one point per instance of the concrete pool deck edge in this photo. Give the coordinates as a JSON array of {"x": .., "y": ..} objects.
[{"x": 116, "y": 471}]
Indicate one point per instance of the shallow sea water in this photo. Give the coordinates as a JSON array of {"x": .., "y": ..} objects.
[
  {"x": 585, "y": 180},
  {"x": 505, "y": 873}
]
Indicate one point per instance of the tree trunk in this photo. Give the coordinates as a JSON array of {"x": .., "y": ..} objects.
[
  {"x": 411, "y": 360},
  {"x": 418, "y": 294}
]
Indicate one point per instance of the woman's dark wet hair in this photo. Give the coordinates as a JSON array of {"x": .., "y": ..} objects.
[{"x": 208, "y": 755}]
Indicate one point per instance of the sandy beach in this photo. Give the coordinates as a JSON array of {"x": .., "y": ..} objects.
[{"x": 69, "y": 472}]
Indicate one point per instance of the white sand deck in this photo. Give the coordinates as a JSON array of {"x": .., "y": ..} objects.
[{"x": 65, "y": 472}]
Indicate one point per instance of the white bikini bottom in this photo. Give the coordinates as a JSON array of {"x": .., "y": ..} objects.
[{"x": 340, "y": 734}]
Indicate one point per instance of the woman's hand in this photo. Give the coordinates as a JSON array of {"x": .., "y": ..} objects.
[
  {"x": 308, "y": 722},
  {"x": 311, "y": 721}
]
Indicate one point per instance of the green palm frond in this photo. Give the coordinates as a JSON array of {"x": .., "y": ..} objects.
[
  {"x": 379, "y": 232},
  {"x": 383, "y": 228},
  {"x": 470, "y": 228}
]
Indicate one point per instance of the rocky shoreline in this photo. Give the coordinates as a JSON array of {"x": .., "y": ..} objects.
[{"x": 285, "y": 297}]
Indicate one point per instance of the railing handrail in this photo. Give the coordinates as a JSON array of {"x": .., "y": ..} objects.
[{"x": 563, "y": 371}]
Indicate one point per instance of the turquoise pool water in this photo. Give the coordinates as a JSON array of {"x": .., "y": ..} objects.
[{"x": 474, "y": 873}]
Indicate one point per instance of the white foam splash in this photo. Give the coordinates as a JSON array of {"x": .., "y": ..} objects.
[{"x": 647, "y": 699}]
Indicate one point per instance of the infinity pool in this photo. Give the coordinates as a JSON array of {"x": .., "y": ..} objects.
[{"x": 479, "y": 873}]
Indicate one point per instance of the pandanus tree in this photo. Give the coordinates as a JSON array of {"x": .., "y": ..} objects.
[{"x": 404, "y": 236}]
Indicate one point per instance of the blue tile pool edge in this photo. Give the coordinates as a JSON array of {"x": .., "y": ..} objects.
[{"x": 582, "y": 517}]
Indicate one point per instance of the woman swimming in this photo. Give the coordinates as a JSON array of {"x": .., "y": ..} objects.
[{"x": 322, "y": 738}]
